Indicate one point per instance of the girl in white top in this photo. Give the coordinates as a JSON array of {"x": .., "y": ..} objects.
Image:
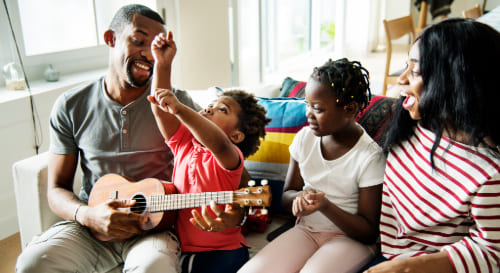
[{"x": 334, "y": 181}]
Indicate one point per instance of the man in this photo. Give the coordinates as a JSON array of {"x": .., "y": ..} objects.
[{"x": 109, "y": 125}]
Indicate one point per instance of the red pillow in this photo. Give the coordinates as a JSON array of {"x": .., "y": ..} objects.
[
  {"x": 292, "y": 88},
  {"x": 376, "y": 116}
]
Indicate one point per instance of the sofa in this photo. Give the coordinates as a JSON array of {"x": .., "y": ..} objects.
[{"x": 285, "y": 105}]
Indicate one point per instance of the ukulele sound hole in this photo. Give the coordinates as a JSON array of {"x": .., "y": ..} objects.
[{"x": 140, "y": 204}]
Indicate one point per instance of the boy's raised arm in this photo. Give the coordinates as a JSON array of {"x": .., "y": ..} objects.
[
  {"x": 169, "y": 112},
  {"x": 163, "y": 49}
]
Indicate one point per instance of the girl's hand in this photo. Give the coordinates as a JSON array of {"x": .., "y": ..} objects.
[
  {"x": 165, "y": 99},
  {"x": 307, "y": 202},
  {"x": 163, "y": 49}
]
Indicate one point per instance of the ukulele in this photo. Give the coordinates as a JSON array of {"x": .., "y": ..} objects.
[{"x": 158, "y": 199}]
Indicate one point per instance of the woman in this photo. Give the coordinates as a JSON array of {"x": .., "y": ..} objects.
[{"x": 441, "y": 195}]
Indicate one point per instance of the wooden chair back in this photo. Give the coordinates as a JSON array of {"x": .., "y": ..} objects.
[
  {"x": 422, "y": 18},
  {"x": 473, "y": 13},
  {"x": 395, "y": 29}
]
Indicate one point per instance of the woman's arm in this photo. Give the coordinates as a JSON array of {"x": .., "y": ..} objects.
[{"x": 435, "y": 262}]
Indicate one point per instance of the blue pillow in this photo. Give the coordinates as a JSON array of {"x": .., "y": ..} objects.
[
  {"x": 272, "y": 158},
  {"x": 288, "y": 116}
]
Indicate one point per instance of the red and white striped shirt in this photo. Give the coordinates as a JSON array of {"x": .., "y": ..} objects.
[{"x": 454, "y": 207}]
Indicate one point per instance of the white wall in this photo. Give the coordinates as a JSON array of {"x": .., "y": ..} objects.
[{"x": 201, "y": 31}]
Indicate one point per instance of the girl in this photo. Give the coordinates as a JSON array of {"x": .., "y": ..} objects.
[{"x": 333, "y": 184}]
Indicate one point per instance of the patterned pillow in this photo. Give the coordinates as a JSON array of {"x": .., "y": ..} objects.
[
  {"x": 293, "y": 88},
  {"x": 272, "y": 159},
  {"x": 376, "y": 116},
  {"x": 287, "y": 118}
]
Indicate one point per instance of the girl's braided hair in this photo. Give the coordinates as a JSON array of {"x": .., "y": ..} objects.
[{"x": 349, "y": 80}]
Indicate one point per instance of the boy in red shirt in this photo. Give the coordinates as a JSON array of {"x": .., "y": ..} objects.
[{"x": 209, "y": 148}]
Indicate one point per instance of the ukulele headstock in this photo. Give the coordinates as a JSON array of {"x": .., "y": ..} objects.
[{"x": 253, "y": 196}]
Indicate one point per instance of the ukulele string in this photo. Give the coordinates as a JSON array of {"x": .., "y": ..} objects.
[{"x": 180, "y": 202}]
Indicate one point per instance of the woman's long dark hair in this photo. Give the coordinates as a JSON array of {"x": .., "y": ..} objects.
[{"x": 459, "y": 63}]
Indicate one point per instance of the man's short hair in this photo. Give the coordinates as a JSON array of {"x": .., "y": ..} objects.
[{"x": 124, "y": 16}]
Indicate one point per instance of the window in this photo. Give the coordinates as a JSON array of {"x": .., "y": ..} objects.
[
  {"x": 65, "y": 33},
  {"x": 285, "y": 33}
]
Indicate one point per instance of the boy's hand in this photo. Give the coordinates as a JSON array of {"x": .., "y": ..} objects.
[
  {"x": 163, "y": 49},
  {"x": 165, "y": 99},
  {"x": 227, "y": 218}
]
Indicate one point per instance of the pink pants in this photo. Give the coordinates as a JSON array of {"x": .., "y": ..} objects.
[{"x": 299, "y": 250}]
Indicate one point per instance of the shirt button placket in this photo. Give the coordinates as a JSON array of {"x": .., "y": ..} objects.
[{"x": 124, "y": 129}]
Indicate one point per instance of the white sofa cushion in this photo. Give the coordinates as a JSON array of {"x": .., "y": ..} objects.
[{"x": 30, "y": 188}]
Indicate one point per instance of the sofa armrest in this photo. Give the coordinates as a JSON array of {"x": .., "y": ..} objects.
[{"x": 30, "y": 188}]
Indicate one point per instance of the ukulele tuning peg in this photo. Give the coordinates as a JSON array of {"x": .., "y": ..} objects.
[
  {"x": 251, "y": 183},
  {"x": 263, "y": 211},
  {"x": 264, "y": 182}
]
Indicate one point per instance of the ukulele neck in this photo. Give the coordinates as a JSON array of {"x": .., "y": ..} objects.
[{"x": 189, "y": 200}]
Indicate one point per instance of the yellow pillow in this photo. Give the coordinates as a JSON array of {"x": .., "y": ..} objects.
[{"x": 287, "y": 118}]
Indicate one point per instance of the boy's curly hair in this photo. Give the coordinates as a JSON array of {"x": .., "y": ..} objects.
[{"x": 252, "y": 120}]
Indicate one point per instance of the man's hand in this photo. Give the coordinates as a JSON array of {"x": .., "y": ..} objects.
[
  {"x": 107, "y": 220},
  {"x": 230, "y": 217}
]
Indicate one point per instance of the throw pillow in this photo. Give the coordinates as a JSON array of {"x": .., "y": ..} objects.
[
  {"x": 272, "y": 159},
  {"x": 376, "y": 116},
  {"x": 287, "y": 118},
  {"x": 293, "y": 88}
]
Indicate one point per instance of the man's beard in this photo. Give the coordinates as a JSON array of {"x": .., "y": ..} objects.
[{"x": 135, "y": 83}]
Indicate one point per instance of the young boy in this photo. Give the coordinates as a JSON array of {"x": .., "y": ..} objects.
[{"x": 209, "y": 148}]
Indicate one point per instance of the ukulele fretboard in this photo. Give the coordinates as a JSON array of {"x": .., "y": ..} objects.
[{"x": 189, "y": 200}]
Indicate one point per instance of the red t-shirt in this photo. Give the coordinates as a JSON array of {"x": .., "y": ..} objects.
[{"x": 196, "y": 170}]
